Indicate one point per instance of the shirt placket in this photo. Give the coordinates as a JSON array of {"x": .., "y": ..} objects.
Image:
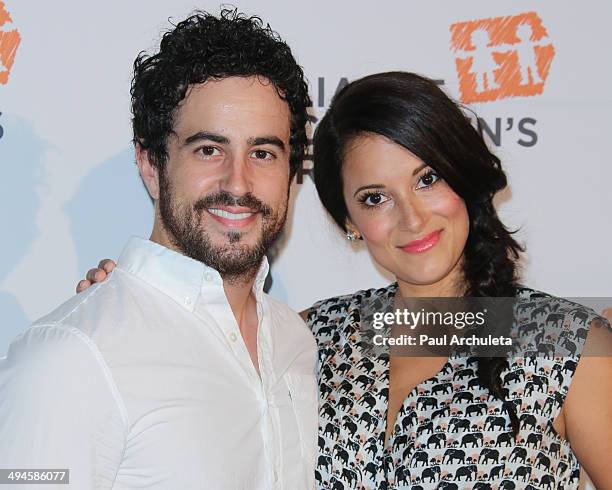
[
  {"x": 272, "y": 430},
  {"x": 217, "y": 308}
]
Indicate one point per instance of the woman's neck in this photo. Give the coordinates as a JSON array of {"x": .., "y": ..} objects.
[{"x": 452, "y": 285}]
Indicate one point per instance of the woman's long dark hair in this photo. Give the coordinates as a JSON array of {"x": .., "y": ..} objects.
[{"x": 415, "y": 113}]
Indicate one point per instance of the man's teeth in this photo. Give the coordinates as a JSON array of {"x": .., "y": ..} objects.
[{"x": 228, "y": 215}]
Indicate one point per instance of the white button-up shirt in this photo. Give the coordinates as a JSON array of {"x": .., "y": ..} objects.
[{"x": 144, "y": 381}]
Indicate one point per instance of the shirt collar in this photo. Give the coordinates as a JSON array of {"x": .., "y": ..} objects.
[{"x": 182, "y": 278}]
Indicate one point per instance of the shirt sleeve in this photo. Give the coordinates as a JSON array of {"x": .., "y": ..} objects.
[{"x": 59, "y": 409}]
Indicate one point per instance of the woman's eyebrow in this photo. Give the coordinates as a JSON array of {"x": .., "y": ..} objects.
[
  {"x": 369, "y": 186},
  {"x": 419, "y": 168}
]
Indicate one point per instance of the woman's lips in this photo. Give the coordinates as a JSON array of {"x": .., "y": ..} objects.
[{"x": 423, "y": 244}]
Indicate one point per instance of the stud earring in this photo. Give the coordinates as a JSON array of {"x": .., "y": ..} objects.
[{"x": 351, "y": 236}]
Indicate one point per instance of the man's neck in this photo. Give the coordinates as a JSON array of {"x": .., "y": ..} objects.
[
  {"x": 242, "y": 301},
  {"x": 239, "y": 293},
  {"x": 238, "y": 289}
]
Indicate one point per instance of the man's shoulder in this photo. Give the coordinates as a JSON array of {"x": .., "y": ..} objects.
[
  {"x": 53, "y": 357},
  {"x": 63, "y": 338},
  {"x": 82, "y": 301},
  {"x": 53, "y": 380},
  {"x": 296, "y": 346},
  {"x": 66, "y": 335},
  {"x": 287, "y": 318},
  {"x": 278, "y": 308},
  {"x": 100, "y": 307},
  {"x": 61, "y": 351},
  {"x": 45, "y": 343}
]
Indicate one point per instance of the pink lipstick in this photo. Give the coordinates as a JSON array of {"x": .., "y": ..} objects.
[{"x": 423, "y": 244}]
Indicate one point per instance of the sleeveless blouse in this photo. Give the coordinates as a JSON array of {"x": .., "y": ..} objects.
[{"x": 450, "y": 432}]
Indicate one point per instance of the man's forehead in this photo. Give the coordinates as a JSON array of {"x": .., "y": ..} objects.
[
  {"x": 260, "y": 95},
  {"x": 234, "y": 105}
]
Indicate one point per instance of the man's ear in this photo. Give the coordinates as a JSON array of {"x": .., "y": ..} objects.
[{"x": 148, "y": 172}]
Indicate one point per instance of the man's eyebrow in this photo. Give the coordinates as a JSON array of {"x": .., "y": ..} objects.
[
  {"x": 267, "y": 140},
  {"x": 206, "y": 135}
]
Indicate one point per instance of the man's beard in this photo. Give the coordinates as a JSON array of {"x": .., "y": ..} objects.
[{"x": 235, "y": 261}]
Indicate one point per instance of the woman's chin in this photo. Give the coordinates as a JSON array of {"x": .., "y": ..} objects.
[{"x": 433, "y": 277}]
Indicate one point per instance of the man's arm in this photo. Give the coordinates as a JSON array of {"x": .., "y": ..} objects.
[{"x": 59, "y": 408}]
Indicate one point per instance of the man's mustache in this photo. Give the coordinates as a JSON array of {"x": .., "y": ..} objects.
[{"x": 224, "y": 198}]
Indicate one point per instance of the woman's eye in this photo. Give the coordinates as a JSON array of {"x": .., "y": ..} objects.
[
  {"x": 373, "y": 199},
  {"x": 262, "y": 155},
  {"x": 209, "y": 151},
  {"x": 428, "y": 179}
]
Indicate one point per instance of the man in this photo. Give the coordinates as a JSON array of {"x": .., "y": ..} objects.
[{"x": 179, "y": 372}]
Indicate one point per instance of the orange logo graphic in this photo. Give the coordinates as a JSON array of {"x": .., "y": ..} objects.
[
  {"x": 501, "y": 57},
  {"x": 9, "y": 40}
]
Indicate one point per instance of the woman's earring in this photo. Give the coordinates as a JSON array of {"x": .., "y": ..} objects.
[{"x": 351, "y": 236}]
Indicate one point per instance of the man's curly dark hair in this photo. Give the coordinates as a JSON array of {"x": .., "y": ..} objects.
[{"x": 204, "y": 47}]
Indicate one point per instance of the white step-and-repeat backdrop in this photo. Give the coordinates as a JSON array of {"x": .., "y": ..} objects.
[
  {"x": 70, "y": 193},
  {"x": 537, "y": 73}
]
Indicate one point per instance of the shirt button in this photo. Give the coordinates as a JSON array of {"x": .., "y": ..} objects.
[
  {"x": 208, "y": 276},
  {"x": 233, "y": 337},
  {"x": 187, "y": 301},
  {"x": 275, "y": 476}
]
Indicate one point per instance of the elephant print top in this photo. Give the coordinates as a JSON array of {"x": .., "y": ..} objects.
[{"x": 450, "y": 433}]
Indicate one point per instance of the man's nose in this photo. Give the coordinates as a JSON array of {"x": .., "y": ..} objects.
[{"x": 236, "y": 177}]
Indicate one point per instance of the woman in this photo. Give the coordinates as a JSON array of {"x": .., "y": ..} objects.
[{"x": 398, "y": 165}]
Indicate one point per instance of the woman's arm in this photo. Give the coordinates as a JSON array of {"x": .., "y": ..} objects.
[
  {"x": 588, "y": 408},
  {"x": 99, "y": 274}
]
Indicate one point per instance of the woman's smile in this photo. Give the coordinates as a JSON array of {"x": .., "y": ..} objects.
[{"x": 423, "y": 244}]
